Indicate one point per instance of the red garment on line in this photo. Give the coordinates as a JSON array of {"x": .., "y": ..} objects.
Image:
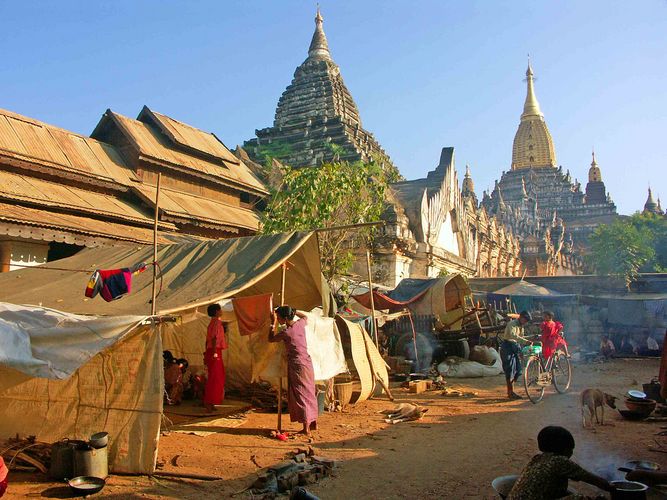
[
  {"x": 551, "y": 338},
  {"x": 253, "y": 313}
]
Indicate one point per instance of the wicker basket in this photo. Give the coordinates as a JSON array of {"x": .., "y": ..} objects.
[{"x": 343, "y": 392}]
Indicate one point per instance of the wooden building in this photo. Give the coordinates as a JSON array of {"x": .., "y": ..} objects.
[{"x": 62, "y": 191}]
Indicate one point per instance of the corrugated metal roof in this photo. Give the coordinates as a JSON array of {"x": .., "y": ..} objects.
[
  {"x": 29, "y": 140},
  {"x": 153, "y": 145},
  {"x": 191, "y": 137},
  {"x": 68, "y": 223},
  {"x": 22, "y": 188},
  {"x": 195, "y": 207}
]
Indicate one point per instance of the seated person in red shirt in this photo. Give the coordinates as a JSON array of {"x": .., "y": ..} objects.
[{"x": 547, "y": 474}]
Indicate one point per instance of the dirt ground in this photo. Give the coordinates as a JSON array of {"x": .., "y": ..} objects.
[{"x": 453, "y": 452}]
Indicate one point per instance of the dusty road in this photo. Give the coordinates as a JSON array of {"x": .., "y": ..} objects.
[{"x": 453, "y": 452}]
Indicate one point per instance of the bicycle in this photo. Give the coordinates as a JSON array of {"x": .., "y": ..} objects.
[{"x": 540, "y": 373}]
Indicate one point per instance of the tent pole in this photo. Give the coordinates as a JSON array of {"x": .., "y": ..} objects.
[
  {"x": 155, "y": 220},
  {"x": 280, "y": 380},
  {"x": 370, "y": 288}
]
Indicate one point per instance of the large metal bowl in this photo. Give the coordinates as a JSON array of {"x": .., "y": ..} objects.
[
  {"x": 86, "y": 485},
  {"x": 641, "y": 465}
]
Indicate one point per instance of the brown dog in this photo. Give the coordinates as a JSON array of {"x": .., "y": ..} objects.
[{"x": 594, "y": 399}]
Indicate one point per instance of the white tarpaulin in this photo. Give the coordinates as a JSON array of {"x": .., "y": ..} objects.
[
  {"x": 46, "y": 343},
  {"x": 324, "y": 346},
  {"x": 115, "y": 381}
]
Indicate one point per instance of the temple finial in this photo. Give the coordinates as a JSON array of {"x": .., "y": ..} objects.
[
  {"x": 530, "y": 107},
  {"x": 319, "y": 47}
]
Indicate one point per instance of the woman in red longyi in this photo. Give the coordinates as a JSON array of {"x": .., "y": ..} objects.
[
  {"x": 214, "y": 393},
  {"x": 551, "y": 335}
]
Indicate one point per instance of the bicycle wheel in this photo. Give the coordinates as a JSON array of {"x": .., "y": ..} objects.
[
  {"x": 531, "y": 375},
  {"x": 561, "y": 371}
]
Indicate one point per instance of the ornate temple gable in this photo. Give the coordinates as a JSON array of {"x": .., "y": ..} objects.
[
  {"x": 533, "y": 146},
  {"x": 316, "y": 118}
]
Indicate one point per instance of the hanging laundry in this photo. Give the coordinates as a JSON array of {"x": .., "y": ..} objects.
[
  {"x": 112, "y": 284},
  {"x": 253, "y": 313}
]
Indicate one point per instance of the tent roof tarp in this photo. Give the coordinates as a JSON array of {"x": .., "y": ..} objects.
[
  {"x": 192, "y": 274},
  {"x": 526, "y": 289}
]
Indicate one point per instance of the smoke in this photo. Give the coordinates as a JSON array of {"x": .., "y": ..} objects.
[{"x": 600, "y": 462}]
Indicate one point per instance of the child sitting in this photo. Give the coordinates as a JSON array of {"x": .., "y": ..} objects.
[{"x": 546, "y": 475}]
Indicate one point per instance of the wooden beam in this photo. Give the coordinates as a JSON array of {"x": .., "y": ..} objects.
[{"x": 155, "y": 222}]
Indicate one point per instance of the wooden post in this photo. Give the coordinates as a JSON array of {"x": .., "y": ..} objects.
[
  {"x": 370, "y": 289},
  {"x": 155, "y": 220},
  {"x": 280, "y": 379}
]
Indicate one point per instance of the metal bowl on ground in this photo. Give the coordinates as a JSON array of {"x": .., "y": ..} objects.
[
  {"x": 637, "y": 394},
  {"x": 632, "y": 415},
  {"x": 99, "y": 440},
  {"x": 86, "y": 485},
  {"x": 645, "y": 407},
  {"x": 641, "y": 465},
  {"x": 629, "y": 490},
  {"x": 503, "y": 484}
]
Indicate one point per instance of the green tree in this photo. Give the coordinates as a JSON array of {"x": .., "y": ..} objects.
[
  {"x": 622, "y": 249},
  {"x": 656, "y": 226},
  {"x": 331, "y": 195}
]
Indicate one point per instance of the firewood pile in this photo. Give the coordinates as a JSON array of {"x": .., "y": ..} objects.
[
  {"x": 260, "y": 395},
  {"x": 302, "y": 468},
  {"x": 26, "y": 454}
]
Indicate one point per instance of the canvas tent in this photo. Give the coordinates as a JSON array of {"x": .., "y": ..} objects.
[
  {"x": 440, "y": 297},
  {"x": 119, "y": 387}
]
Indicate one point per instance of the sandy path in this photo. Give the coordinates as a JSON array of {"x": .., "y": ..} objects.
[{"x": 454, "y": 451}]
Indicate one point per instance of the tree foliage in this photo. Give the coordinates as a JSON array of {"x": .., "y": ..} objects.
[
  {"x": 630, "y": 246},
  {"x": 331, "y": 195}
]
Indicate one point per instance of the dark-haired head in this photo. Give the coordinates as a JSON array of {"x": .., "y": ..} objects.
[
  {"x": 555, "y": 439},
  {"x": 213, "y": 309},
  {"x": 548, "y": 315},
  {"x": 285, "y": 313}
]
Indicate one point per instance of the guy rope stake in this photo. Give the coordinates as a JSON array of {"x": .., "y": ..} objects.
[{"x": 155, "y": 220}]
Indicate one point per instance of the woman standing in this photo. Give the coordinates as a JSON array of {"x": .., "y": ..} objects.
[
  {"x": 301, "y": 398},
  {"x": 216, "y": 342}
]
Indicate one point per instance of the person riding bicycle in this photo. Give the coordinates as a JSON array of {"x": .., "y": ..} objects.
[
  {"x": 510, "y": 350},
  {"x": 552, "y": 335}
]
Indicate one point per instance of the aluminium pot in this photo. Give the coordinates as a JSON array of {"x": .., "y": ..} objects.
[
  {"x": 89, "y": 461},
  {"x": 628, "y": 490}
]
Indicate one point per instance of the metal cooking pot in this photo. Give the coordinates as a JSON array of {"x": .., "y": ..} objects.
[
  {"x": 628, "y": 490},
  {"x": 86, "y": 485}
]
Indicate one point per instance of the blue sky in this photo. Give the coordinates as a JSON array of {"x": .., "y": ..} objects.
[{"x": 425, "y": 74}]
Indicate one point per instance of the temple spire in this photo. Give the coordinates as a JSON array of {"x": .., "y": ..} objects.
[
  {"x": 650, "y": 206},
  {"x": 319, "y": 47},
  {"x": 531, "y": 107}
]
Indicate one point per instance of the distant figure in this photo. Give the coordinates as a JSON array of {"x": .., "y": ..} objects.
[
  {"x": 649, "y": 347},
  {"x": 628, "y": 346},
  {"x": 214, "y": 393},
  {"x": 510, "y": 351},
  {"x": 547, "y": 474},
  {"x": 552, "y": 338},
  {"x": 607, "y": 348},
  {"x": 301, "y": 397}
]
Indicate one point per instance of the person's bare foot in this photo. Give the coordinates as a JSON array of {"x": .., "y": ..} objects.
[
  {"x": 209, "y": 408},
  {"x": 313, "y": 425},
  {"x": 305, "y": 431}
]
